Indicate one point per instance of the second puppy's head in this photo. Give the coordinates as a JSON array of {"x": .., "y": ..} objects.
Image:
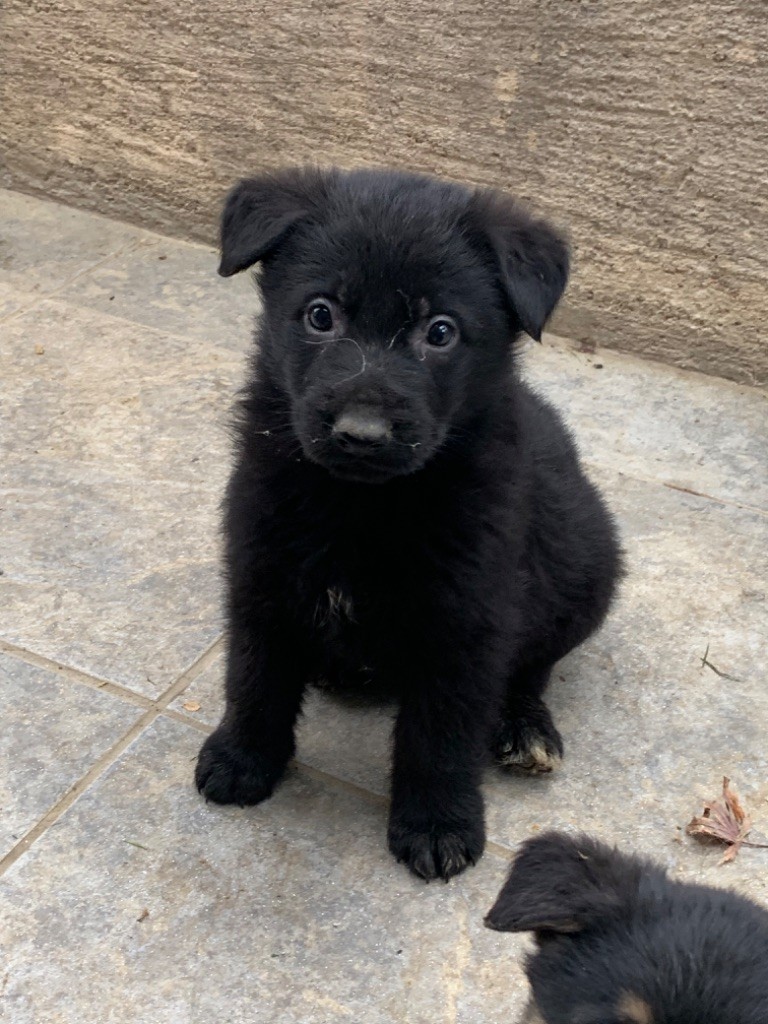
[
  {"x": 390, "y": 304},
  {"x": 619, "y": 942}
]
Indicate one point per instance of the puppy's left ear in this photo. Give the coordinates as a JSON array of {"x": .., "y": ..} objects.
[
  {"x": 533, "y": 259},
  {"x": 560, "y": 883}
]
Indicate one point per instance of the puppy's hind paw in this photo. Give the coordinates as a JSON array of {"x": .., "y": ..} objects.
[{"x": 530, "y": 746}]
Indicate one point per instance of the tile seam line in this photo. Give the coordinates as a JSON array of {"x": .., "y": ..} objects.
[
  {"x": 328, "y": 779},
  {"x": 146, "y": 233},
  {"x": 556, "y": 340},
  {"x": 110, "y": 756},
  {"x": 589, "y": 462},
  {"x": 198, "y": 666},
  {"x": 594, "y": 464},
  {"x": 558, "y": 343},
  {"x": 154, "y": 712},
  {"x": 85, "y": 781},
  {"x": 18, "y": 313},
  {"x": 107, "y": 759},
  {"x": 75, "y": 675},
  {"x": 117, "y": 318},
  {"x": 117, "y": 690}
]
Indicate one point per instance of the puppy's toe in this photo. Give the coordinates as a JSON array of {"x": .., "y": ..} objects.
[
  {"x": 437, "y": 853},
  {"x": 536, "y": 759},
  {"x": 530, "y": 746}
]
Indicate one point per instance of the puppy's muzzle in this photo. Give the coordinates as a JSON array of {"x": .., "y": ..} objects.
[{"x": 361, "y": 425}]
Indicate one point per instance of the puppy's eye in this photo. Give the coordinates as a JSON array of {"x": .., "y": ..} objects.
[
  {"x": 319, "y": 317},
  {"x": 442, "y": 332}
]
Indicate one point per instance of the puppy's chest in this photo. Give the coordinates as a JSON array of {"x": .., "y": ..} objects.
[
  {"x": 345, "y": 633},
  {"x": 334, "y": 610},
  {"x": 346, "y": 588},
  {"x": 349, "y": 607}
]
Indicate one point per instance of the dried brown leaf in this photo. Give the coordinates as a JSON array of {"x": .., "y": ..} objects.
[
  {"x": 729, "y": 854},
  {"x": 723, "y": 820}
]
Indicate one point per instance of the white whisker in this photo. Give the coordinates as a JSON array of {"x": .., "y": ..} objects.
[
  {"x": 395, "y": 336},
  {"x": 362, "y": 356}
]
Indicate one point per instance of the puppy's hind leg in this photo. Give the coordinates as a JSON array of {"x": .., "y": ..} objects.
[{"x": 527, "y": 738}]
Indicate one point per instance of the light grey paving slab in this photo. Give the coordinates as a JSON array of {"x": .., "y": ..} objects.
[
  {"x": 346, "y": 738},
  {"x": 173, "y": 287},
  {"x": 52, "y": 732},
  {"x": 114, "y": 460},
  {"x": 649, "y": 730},
  {"x": 13, "y": 299},
  {"x": 294, "y": 912},
  {"x": 43, "y": 245},
  {"x": 204, "y": 694},
  {"x": 639, "y": 417}
]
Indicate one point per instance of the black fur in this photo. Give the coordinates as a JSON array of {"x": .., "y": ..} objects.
[
  {"x": 619, "y": 942},
  {"x": 444, "y": 537}
]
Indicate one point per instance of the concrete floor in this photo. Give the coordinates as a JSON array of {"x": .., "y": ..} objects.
[{"x": 126, "y": 898}]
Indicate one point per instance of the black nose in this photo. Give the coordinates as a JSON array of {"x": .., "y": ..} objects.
[{"x": 362, "y": 424}]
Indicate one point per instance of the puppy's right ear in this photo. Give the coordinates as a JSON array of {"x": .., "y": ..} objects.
[
  {"x": 563, "y": 884},
  {"x": 259, "y": 213}
]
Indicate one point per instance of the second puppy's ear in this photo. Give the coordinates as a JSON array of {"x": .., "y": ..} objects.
[
  {"x": 259, "y": 212},
  {"x": 563, "y": 884},
  {"x": 533, "y": 258}
]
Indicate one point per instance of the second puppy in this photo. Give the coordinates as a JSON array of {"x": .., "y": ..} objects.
[
  {"x": 619, "y": 942},
  {"x": 401, "y": 503}
]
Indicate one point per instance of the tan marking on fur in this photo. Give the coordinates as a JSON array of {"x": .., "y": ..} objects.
[
  {"x": 635, "y": 1009},
  {"x": 542, "y": 761},
  {"x": 535, "y": 760}
]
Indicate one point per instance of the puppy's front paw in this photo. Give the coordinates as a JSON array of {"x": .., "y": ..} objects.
[
  {"x": 228, "y": 775},
  {"x": 441, "y": 851},
  {"x": 530, "y": 743}
]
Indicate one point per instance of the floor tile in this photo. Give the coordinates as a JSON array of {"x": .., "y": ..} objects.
[
  {"x": 13, "y": 300},
  {"x": 43, "y": 245},
  {"x": 53, "y": 731},
  {"x": 112, "y": 478},
  {"x": 642, "y": 418},
  {"x": 294, "y": 911},
  {"x": 173, "y": 287}
]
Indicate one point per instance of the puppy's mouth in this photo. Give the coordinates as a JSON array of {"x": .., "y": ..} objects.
[{"x": 362, "y": 444}]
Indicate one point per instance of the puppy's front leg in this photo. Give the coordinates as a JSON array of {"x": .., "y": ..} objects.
[
  {"x": 243, "y": 760},
  {"x": 436, "y": 822}
]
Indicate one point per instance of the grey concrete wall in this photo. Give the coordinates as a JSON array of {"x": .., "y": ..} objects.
[{"x": 641, "y": 125}]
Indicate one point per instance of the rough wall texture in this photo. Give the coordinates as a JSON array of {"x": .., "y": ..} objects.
[{"x": 640, "y": 126}]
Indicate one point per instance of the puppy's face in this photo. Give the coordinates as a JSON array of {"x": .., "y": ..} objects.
[
  {"x": 390, "y": 301},
  {"x": 621, "y": 943}
]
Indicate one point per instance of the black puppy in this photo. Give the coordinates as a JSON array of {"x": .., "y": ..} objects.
[
  {"x": 401, "y": 504},
  {"x": 620, "y": 943}
]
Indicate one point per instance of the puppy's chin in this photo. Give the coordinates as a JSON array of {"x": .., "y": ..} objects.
[{"x": 373, "y": 468}]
